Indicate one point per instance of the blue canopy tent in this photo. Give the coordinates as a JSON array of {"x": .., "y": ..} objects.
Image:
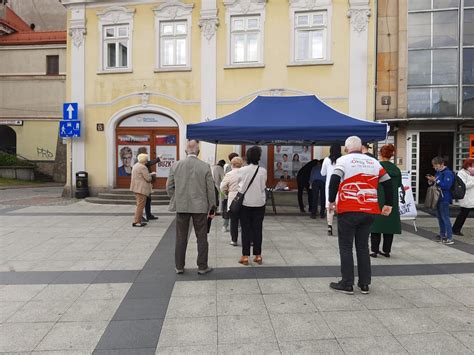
[{"x": 289, "y": 120}]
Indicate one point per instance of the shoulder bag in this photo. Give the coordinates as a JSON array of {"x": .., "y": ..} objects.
[{"x": 236, "y": 204}]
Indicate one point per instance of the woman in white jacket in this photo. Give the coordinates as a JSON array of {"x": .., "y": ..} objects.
[
  {"x": 327, "y": 169},
  {"x": 467, "y": 203},
  {"x": 230, "y": 186}
]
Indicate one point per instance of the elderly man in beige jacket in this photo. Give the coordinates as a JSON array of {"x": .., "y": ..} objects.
[
  {"x": 141, "y": 186},
  {"x": 191, "y": 189}
]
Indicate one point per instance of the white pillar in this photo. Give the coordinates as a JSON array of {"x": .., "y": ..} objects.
[
  {"x": 358, "y": 13},
  {"x": 208, "y": 24},
  {"x": 77, "y": 31}
]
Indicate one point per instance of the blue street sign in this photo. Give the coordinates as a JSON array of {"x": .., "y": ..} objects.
[
  {"x": 70, "y": 111},
  {"x": 68, "y": 129}
]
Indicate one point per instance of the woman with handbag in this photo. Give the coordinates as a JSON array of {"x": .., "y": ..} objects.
[
  {"x": 467, "y": 203},
  {"x": 230, "y": 186},
  {"x": 141, "y": 186},
  {"x": 253, "y": 181}
]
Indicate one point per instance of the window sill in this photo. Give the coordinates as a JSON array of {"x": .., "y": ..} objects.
[
  {"x": 310, "y": 63},
  {"x": 114, "y": 71},
  {"x": 244, "y": 66},
  {"x": 172, "y": 69}
]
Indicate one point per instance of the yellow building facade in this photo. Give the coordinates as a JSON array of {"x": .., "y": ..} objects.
[{"x": 142, "y": 70}]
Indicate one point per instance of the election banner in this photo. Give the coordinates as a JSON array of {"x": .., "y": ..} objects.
[{"x": 407, "y": 209}]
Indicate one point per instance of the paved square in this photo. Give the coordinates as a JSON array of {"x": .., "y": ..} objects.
[{"x": 78, "y": 279}]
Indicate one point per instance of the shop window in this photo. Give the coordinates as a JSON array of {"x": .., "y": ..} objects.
[{"x": 52, "y": 65}]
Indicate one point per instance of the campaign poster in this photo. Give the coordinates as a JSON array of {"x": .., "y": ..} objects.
[
  {"x": 407, "y": 209},
  {"x": 168, "y": 157},
  {"x": 127, "y": 157}
]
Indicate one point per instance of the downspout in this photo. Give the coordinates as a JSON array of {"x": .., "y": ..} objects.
[{"x": 376, "y": 57}]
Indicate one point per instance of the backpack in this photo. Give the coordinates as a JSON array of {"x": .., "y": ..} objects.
[
  {"x": 433, "y": 195},
  {"x": 458, "y": 190}
]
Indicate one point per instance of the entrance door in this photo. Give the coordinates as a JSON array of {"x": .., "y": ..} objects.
[
  {"x": 433, "y": 144},
  {"x": 7, "y": 139},
  {"x": 153, "y": 134}
]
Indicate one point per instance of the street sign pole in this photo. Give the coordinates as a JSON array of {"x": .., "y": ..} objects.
[
  {"x": 70, "y": 166},
  {"x": 70, "y": 127}
]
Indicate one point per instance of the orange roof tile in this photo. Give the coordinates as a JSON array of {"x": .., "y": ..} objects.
[
  {"x": 15, "y": 22},
  {"x": 25, "y": 38}
]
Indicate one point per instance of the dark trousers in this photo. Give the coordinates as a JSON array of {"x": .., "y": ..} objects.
[
  {"x": 319, "y": 196},
  {"x": 301, "y": 188},
  {"x": 182, "y": 232},
  {"x": 148, "y": 206},
  {"x": 445, "y": 229},
  {"x": 234, "y": 228},
  {"x": 251, "y": 219},
  {"x": 461, "y": 218},
  {"x": 375, "y": 239},
  {"x": 354, "y": 225}
]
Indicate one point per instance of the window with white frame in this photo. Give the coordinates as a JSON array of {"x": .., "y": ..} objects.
[
  {"x": 310, "y": 36},
  {"x": 173, "y": 43},
  {"x": 245, "y": 36},
  {"x": 116, "y": 47}
]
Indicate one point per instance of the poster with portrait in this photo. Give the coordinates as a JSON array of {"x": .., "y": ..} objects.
[
  {"x": 127, "y": 157},
  {"x": 168, "y": 158}
]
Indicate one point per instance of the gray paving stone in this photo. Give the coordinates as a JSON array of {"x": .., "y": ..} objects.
[
  {"x": 133, "y": 334},
  {"x": 196, "y": 306},
  {"x": 7, "y": 309},
  {"x": 432, "y": 343},
  {"x": 407, "y": 321},
  {"x": 105, "y": 291},
  {"x": 189, "y": 332},
  {"x": 372, "y": 345},
  {"x": 453, "y": 319},
  {"x": 141, "y": 351},
  {"x": 61, "y": 292},
  {"x": 245, "y": 329},
  {"x": 280, "y": 286},
  {"x": 384, "y": 300},
  {"x": 73, "y": 336},
  {"x": 243, "y": 349},
  {"x": 404, "y": 283},
  {"x": 61, "y": 352},
  {"x": 347, "y": 324},
  {"x": 300, "y": 326},
  {"x": 313, "y": 284},
  {"x": 20, "y": 292},
  {"x": 16, "y": 337},
  {"x": 329, "y": 346},
  {"x": 91, "y": 310},
  {"x": 282, "y": 303},
  {"x": 428, "y": 297},
  {"x": 147, "y": 290},
  {"x": 237, "y": 287},
  {"x": 194, "y": 288},
  {"x": 332, "y": 301},
  {"x": 467, "y": 338},
  {"x": 464, "y": 295},
  {"x": 40, "y": 311},
  {"x": 146, "y": 308},
  {"x": 187, "y": 350},
  {"x": 240, "y": 305}
]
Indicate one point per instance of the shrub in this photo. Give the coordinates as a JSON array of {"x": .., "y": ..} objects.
[{"x": 12, "y": 160}]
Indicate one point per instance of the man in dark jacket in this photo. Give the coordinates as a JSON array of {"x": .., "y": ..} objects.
[{"x": 302, "y": 179}]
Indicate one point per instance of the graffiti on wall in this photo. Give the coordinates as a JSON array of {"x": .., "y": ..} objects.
[{"x": 44, "y": 153}]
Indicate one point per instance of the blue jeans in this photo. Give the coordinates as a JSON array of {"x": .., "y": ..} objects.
[{"x": 445, "y": 229}]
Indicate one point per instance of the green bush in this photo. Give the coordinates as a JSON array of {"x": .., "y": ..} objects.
[{"x": 12, "y": 160}]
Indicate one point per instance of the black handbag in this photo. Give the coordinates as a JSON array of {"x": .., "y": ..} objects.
[{"x": 236, "y": 204}]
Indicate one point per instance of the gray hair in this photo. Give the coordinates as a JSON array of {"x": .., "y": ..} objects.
[
  {"x": 353, "y": 144},
  {"x": 437, "y": 160},
  {"x": 142, "y": 158},
  {"x": 192, "y": 147}
]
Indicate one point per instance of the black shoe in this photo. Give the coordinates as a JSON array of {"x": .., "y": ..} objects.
[
  {"x": 387, "y": 255},
  {"x": 374, "y": 255},
  {"x": 150, "y": 218},
  {"x": 340, "y": 287},
  {"x": 313, "y": 216},
  {"x": 437, "y": 239},
  {"x": 144, "y": 220},
  {"x": 364, "y": 289},
  {"x": 143, "y": 224},
  {"x": 302, "y": 210},
  {"x": 330, "y": 231},
  {"x": 458, "y": 233}
]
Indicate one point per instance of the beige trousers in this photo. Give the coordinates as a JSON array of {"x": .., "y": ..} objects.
[{"x": 141, "y": 200}]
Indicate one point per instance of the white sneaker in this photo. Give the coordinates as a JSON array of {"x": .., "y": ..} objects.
[{"x": 233, "y": 243}]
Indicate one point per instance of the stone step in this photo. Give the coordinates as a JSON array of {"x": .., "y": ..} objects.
[
  {"x": 128, "y": 192},
  {"x": 103, "y": 201},
  {"x": 131, "y": 196}
]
